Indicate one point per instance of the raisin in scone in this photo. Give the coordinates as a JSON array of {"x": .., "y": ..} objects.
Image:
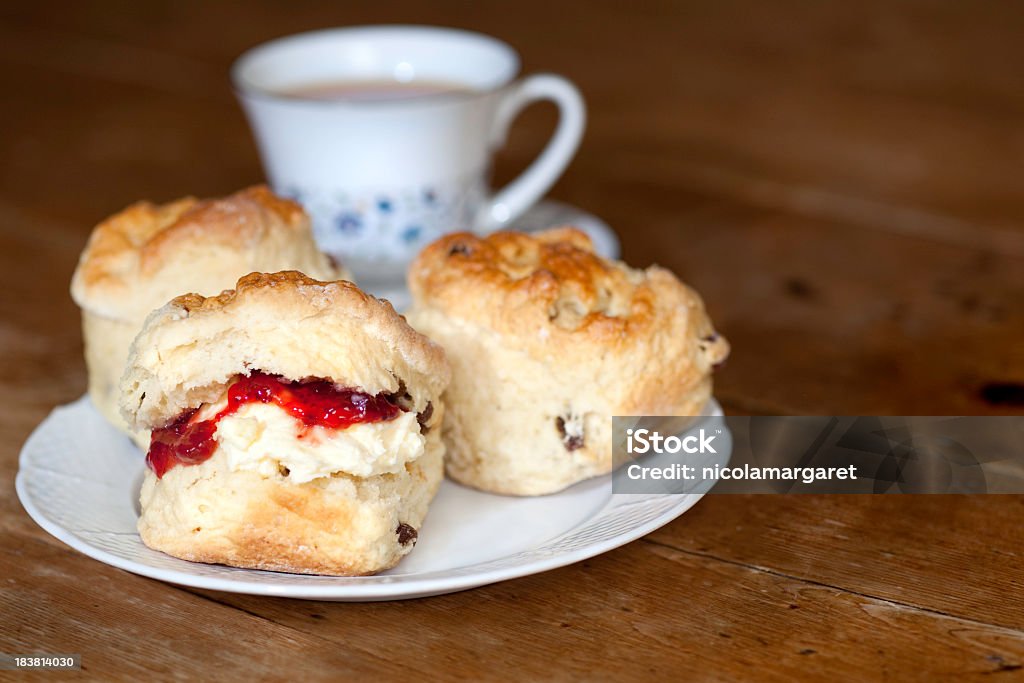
[
  {"x": 548, "y": 341},
  {"x": 295, "y": 427},
  {"x": 139, "y": 259}
]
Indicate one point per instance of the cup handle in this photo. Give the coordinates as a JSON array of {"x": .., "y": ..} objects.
[{"x": 512, "y": 200}]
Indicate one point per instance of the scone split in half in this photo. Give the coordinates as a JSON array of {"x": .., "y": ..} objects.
[
  {"x": 293, "y": 427},
  {"x": 547, "y": 341}
]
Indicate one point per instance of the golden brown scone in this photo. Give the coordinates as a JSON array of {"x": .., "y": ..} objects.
[
  {"x": 547, "y": 341},
  {"x": 140, "y": 258},
  {"x": 339, "y": 525},
  {"x": 275, "y": 491}
]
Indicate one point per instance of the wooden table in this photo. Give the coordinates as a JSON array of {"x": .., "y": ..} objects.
[{"x": 842, "y": 181}]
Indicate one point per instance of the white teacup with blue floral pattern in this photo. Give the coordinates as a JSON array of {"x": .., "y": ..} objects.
[{"x": 382, "y": 178}]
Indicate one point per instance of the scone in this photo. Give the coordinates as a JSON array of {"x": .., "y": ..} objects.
[
  {"x": 295, "y": 427},
  {"x": 548, "y": 341},
  {"x": 141, "y": 258}
]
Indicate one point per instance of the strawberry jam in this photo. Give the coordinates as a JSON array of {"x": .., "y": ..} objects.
[{"x": 316, "y": 403}]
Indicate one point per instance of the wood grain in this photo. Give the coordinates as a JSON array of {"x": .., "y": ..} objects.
[
  {"x": 648, "y": 611},
  {"x": 954, "y": 555},
  {"x": 840, "y": 181},
  {"x": 139, "y": 628}
]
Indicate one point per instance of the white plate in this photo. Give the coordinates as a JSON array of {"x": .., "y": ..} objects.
[{"x": 79, "y": 479}]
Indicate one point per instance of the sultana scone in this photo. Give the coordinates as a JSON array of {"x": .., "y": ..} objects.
[
  {"x": 548, "y": 341},
  {"x": 296, "y": 427},
  {"x": 139, "y": 259}
]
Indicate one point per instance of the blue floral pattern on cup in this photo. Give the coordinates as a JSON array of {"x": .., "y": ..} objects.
[
  {"x": 348, "y": 222},
  {"x": 388, "y": 226}
]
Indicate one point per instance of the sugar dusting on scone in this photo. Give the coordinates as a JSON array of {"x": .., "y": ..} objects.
[
  {"x": 547, "y": 341},
  {"x": 142, "y": 257},
  {"x": 295, "y": 427}
]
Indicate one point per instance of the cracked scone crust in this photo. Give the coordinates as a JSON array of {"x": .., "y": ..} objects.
[
  {"x": 140, "y": 258},
  {"x": 291, "y": 325},
  {"x": 280, "y": 323},
  {"x": 547, "y": 341}
]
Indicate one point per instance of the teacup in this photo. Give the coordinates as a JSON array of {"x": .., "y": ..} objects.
[{"x": 385, "y": 134}]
